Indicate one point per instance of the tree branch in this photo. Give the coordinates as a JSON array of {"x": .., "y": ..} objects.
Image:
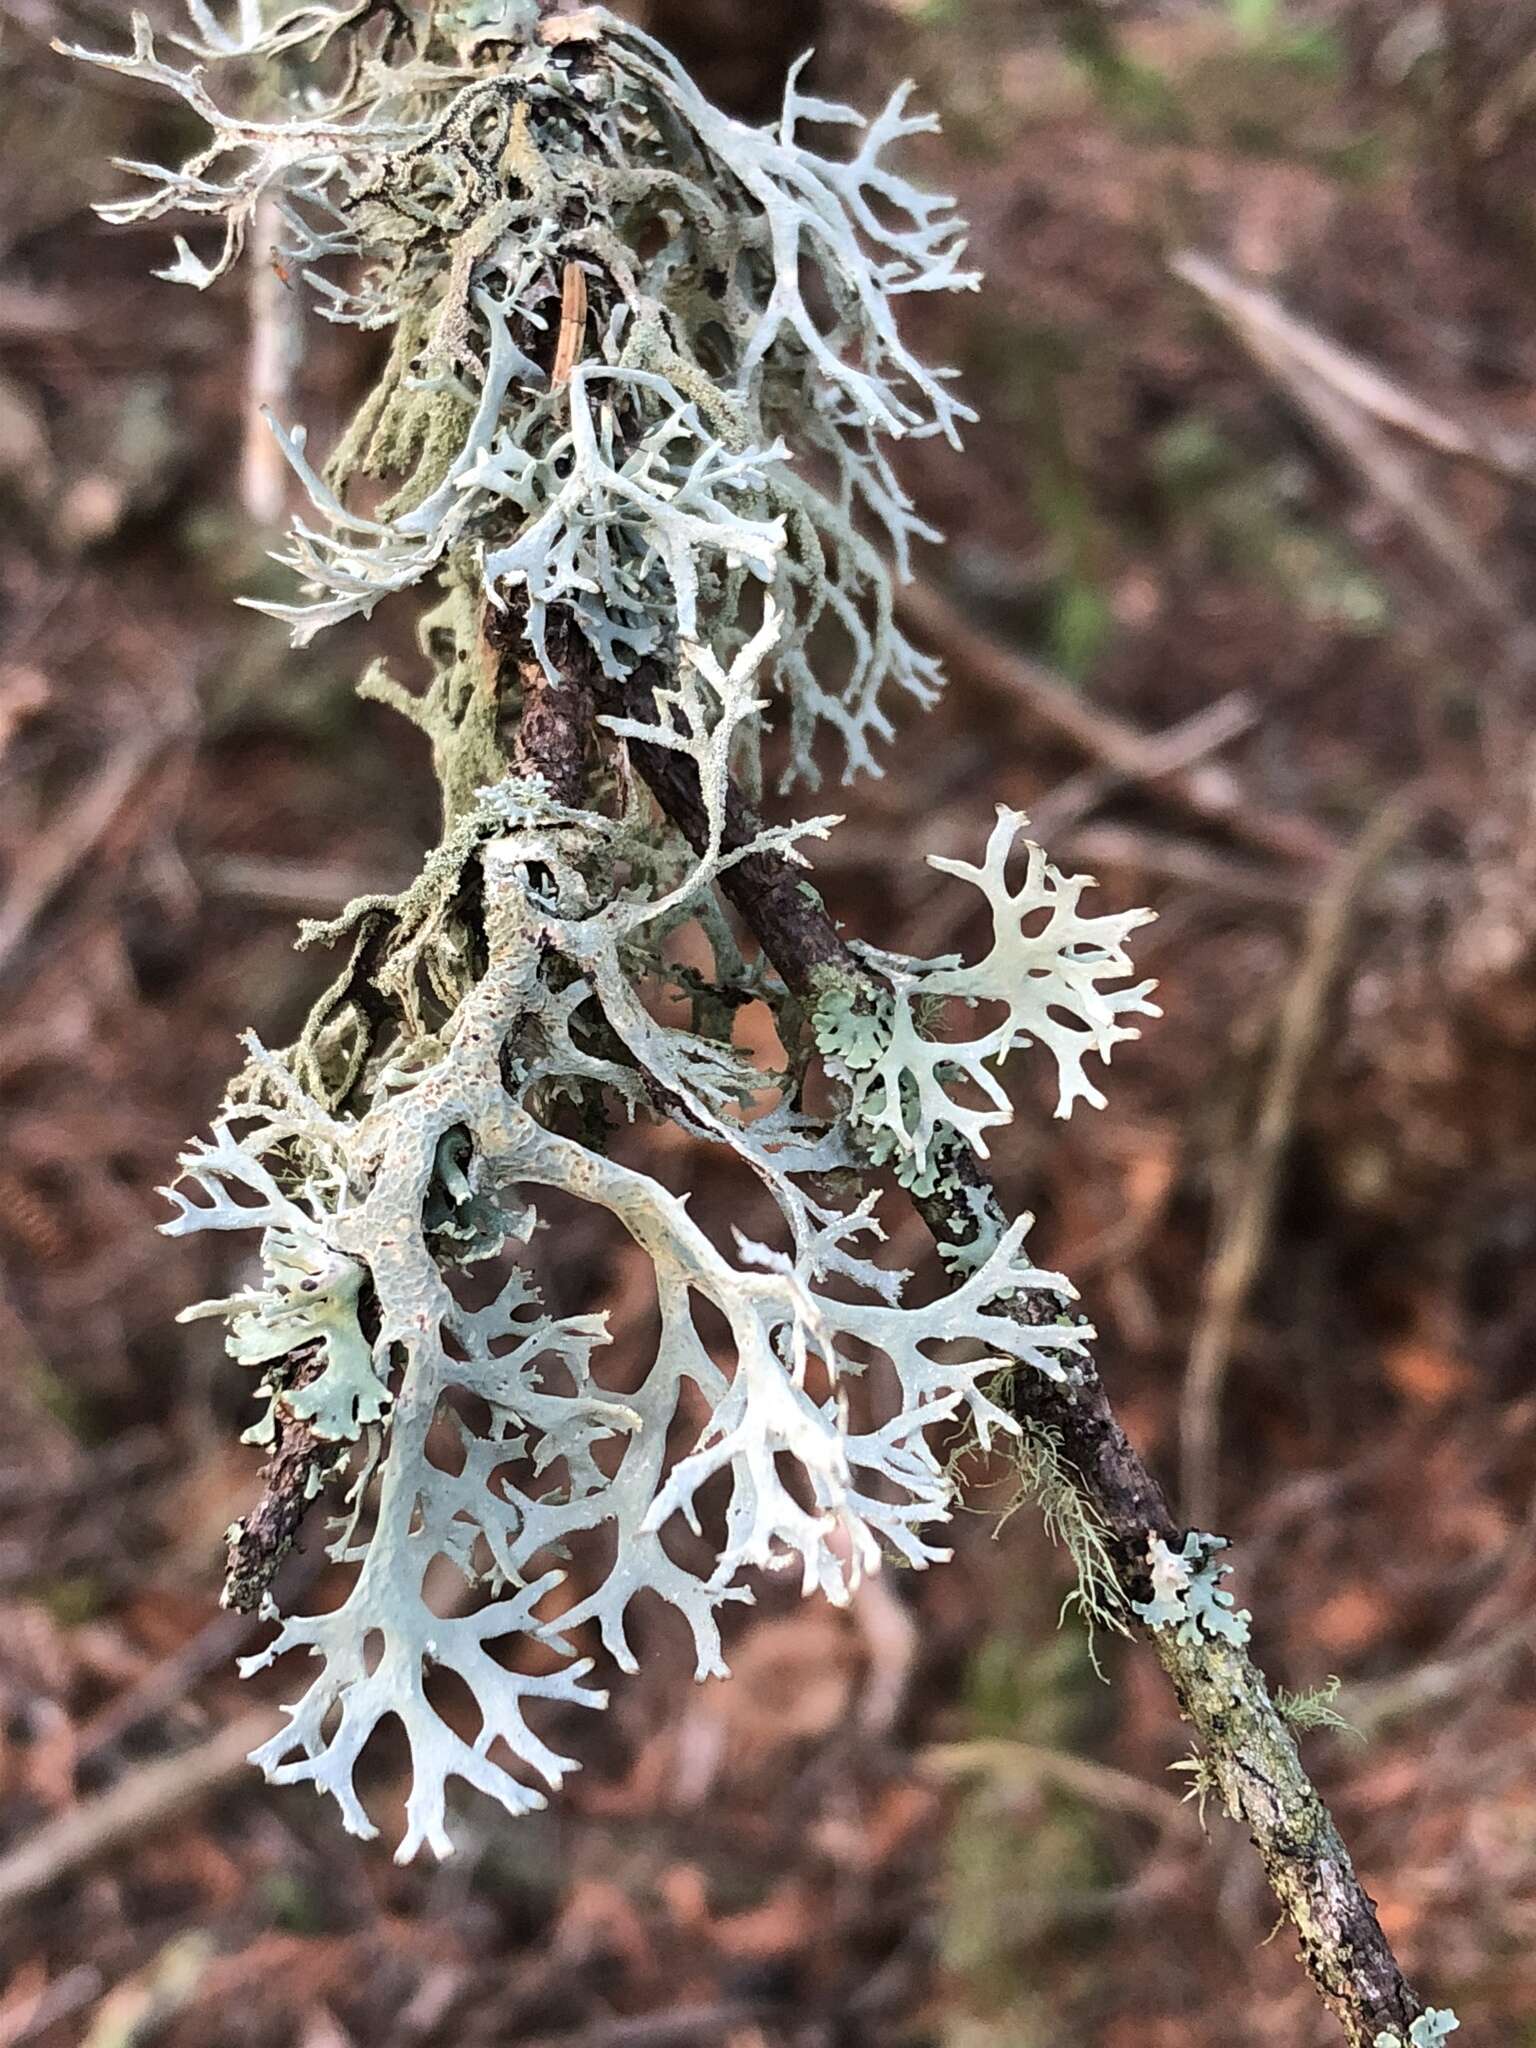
[
  {"x": 554, "y": 726},
  {"x": 1249, "y": 1749},
  {"x": 259, "y": 1543}
]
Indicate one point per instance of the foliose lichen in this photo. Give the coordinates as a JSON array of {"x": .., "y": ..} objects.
[
  {"x": 1432, "y": 2027},
  {"x": 1187, "y": 1593},
  {"x": 644, "y": 366}
]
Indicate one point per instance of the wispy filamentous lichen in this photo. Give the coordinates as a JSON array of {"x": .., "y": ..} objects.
[
  {"x": 1316, "y": 1708},
  {"x": 1047, "y": 1480},
  {"x": 629, "y": 450}
]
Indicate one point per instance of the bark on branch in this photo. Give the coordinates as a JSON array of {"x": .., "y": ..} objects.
[
  {"x": 258, "y": 1544},
  {"x": 1249, "y": 1748}
]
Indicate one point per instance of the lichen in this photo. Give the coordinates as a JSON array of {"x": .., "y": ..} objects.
[
  {"x": 1432, "y": 2027},
  {"x": 909, "y": 1089},
  {"x": 1048, "y": 1483},
  {"x": 864, "y": 1491},
  {"x": 1187, "y": 1594},
  {"x": 724, "y": 435},
  {"x": 632, "y": 427},
  {"x": 1317, "y": 1708}
]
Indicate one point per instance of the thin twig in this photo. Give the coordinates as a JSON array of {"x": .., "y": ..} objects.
[
  {"x": 683, "y": 2027},
  {"x": 1185, "y": 862},
  {"x": 1373, "y": 1705},
  {"x": 222, "y": 1638},
  {"x": 1180, "y": 748},
  {"x": 1511, "y": 456},
  {"x": 1335, "y": 409},
  {"x": 28, "y": 2014},
  {"x": 1031, "y": 1763},
  {"x": 1005, "y": 672},
  {"x": 274, "y": 346},
  {"x": 1241, "y": 1243},
  {"x": 277, "y": 883},
  {"x": 1195, "y": 866},
  {"x": 260, "y": 1542},
  {"x": 69, "y": 843},
  {"x": 573, "y": 326},
  {"x": 150, "y": 1796},
  {"x": 1250, "y": 1749}
]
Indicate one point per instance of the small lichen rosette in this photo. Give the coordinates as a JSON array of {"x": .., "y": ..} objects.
[
  {"x": 1187, "y": 1593},
  {"x": 911, "y": 1092},
  {"x": 1429, "y": 2030}
]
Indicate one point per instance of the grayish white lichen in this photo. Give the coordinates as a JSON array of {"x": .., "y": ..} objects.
[
  {"x": 1428, "y": 2031},
  {"x": 725, "y": 432},
  {"x": 644, "y": 364},
  {"x": 909, "y": 1087},
  {"x": 1187, "y": 1593}
]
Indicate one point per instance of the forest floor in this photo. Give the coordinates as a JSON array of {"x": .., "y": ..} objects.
[{"x": 1242, "y": 553}]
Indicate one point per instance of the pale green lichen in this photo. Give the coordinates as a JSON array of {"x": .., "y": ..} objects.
[
  {"x": 1187, "y": 1594},
  {"x": 1047, "y": 1482},
  {"x": 474, "y": 1084},
  {"x": 723, "y": 434},
  {"x": 1204, "y": 1783},
  {"x": 1317, "y": 1708},
  {"x": 910, "y": 1090},
  {"x": 309, "y": 1295},
  {"x": 1431, "y": 2028},
  {"x": 695, "y": 478}
]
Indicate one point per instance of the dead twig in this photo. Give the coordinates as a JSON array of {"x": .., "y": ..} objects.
[
  {"x": 1243, "y": 1236},
  {"x": 31, "y": 2013},
  {"x": 274, "y": 347},
  {"x": 573, "y": 325},
  {"x": 148, "y": 1797},
  {"x": 1172, "y": 752},
  {"x": 313, "y": 887},
  {"x": 1184, "y": 862},
  {"x": 63, "y": 850},
  {"x": 556, "y": 718},
  {"x": 213, "y": 1648},
  {"x": 1010, "y": 1763},
  {"x": 1373, "y": 1705},
  {"x": 1366, "y": 385},
  {"x": 1167, "y": 762},
  {"x": 1336, "y": 395},
  {"x": 1191, "y": 865},
  {"x": 260, "y": 1542}
]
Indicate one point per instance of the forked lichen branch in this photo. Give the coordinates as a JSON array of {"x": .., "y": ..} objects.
[{"x": 629, "y": 459}]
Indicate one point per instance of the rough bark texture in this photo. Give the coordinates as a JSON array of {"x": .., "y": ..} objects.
[
  {"x": 1250, "y": 1750},
  {"x": 259, "y": 1544},
  {"x": 554, "y": 728}
]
